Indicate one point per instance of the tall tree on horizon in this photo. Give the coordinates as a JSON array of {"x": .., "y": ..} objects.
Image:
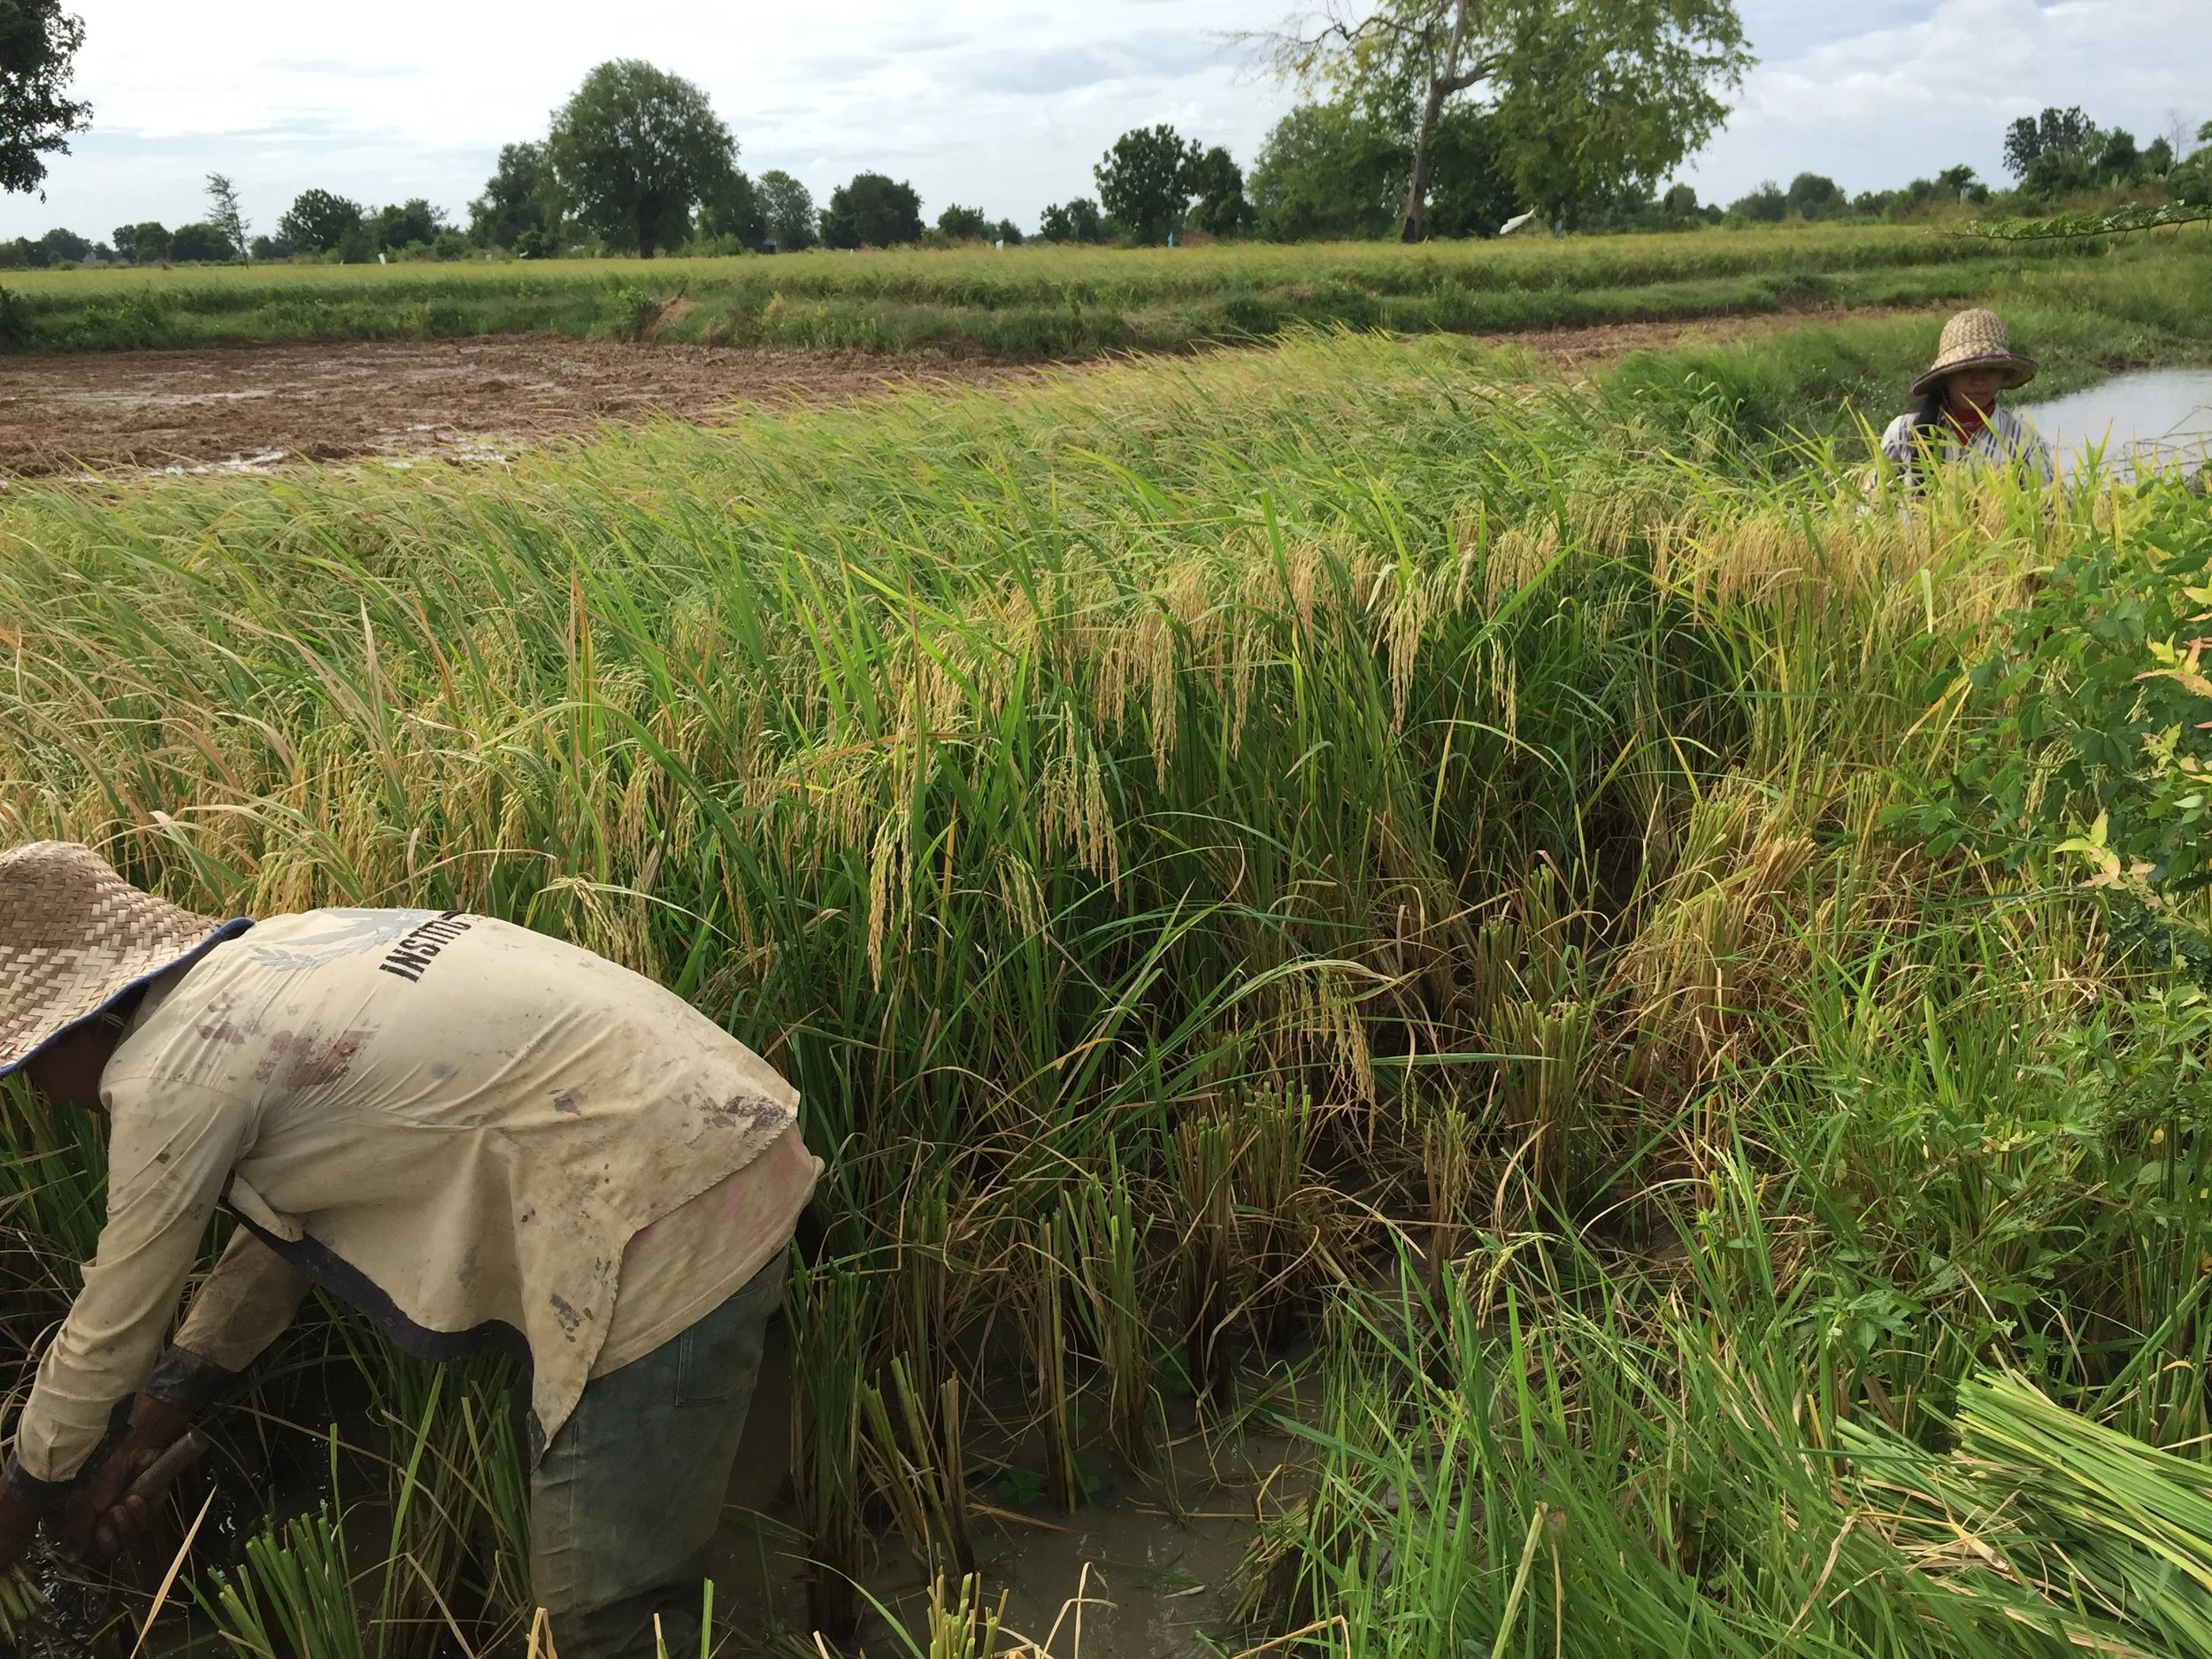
[
  {"x": 223, "y": 213},
  {"x": 1148, "y": 179},
  {"x": 874, "y": 211},
  {"x": 1590, "y": 93},
  {"x": 788, "y": 207},
  {"x": 514, "y": 201},
  {"x": 318, "y": 219},
  {"x": 38, "y": 51},
  {"x": 635, "y": 151}
]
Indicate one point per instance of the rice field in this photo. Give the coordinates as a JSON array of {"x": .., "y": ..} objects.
[
  {"x": 1040, "y": 301},
  {"x": 1339, "y": 888}
]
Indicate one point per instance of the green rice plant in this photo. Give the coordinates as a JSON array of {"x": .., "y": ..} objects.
[
  {"x": 1115, "y": 1306},
  {"x": 957, "y": 1624},
  {"x": 1448, "y": 1168},
  {"x": 922, "y": 1470},
  {"x": 828, "y": 1303},
  {"x": 1543, "y": 1091},
  {"x": 1201, "y": 1159},
  {"x": 919, "y": 1304},
  {"x": 1254, "y": 810},
  {"x": 497, "y": 1480},
  {"x": 292, "y": 1596},
  {"x": 2113, "y": 1536},
  {"x": 457, "y": 1490},
  {"x": 53, "y": 1192},
  {"x": 1278, "y": 1241},
  {"x": 1051, "y": 1286},
  {"x": 1040, "y": 301},
  {"x": 20, "y": 1600}
]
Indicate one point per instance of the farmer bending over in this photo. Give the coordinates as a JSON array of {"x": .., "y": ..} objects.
[{"x": 478, "y": 1136}]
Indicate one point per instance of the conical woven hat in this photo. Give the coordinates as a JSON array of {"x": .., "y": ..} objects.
[
  {"x": 1971, "y": 338},
  {"x": 74, "y": 936}
]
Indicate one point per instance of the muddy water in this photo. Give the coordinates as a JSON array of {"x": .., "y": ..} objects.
[
  {"x": 2132, "y": 422},
  {"x": 1124, "y": 1576}
]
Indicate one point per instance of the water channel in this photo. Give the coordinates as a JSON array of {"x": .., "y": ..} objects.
[{"x": 2155, "y": 420}]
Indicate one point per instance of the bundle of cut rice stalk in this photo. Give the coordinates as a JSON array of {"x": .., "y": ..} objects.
[
  {"x": 20, "y": 1599},
  {"x": 2049, "y": 1519}
]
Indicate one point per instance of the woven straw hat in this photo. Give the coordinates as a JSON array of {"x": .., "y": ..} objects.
[
  {"x": 1972, "y": 338},
  {"x": 74, "y": 936}
]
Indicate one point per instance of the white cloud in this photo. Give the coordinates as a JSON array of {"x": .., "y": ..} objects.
[
  {"x": 996, "y": 102},
  {"x": 991, "y": 102},
  {"x": 1917, "y": 89}
]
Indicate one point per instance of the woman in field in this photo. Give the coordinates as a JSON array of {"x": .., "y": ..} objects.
[{"x": 1955, "y": 415}]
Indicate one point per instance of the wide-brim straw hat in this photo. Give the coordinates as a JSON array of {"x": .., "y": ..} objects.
[
  {"x": 1970, "y": 339},
  {"x": 75, "y": 937}
]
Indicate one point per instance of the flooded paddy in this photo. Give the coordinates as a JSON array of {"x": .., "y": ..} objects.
[{"x": 2152, "y": 421}]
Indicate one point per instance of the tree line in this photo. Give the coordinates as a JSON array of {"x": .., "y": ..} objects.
[{"x": 1419, "y": 119}]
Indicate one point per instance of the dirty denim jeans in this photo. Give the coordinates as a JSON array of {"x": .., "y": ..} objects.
[{"x": 630, "y": 1491}]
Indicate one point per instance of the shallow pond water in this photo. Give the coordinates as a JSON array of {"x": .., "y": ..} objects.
[
  {"x": 2160, "y": 419},
  {"x": 1134, "y": 1573}
]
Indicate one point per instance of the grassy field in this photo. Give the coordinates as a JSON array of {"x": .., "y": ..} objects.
[
  {"x": 1333, "y": 882},
  {"x": 1040, "y": 301}
]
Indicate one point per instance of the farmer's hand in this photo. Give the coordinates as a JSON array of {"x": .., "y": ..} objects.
[
  {"x": 98, "y": 1521},
  {"x": 18, "y": 1526}
]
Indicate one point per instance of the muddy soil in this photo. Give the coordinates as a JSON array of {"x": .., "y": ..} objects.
[
  {"x": 251, "y": 408},
  {"x": 258, "y": 408}
]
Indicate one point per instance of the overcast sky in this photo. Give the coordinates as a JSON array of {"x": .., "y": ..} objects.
[{"x": 989, "y": 103}]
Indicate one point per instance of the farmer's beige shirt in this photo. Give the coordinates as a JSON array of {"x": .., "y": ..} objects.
[{"x": 466, "y": 1128}]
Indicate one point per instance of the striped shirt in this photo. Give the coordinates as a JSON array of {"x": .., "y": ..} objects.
[{"x": 2003, "y": 441}]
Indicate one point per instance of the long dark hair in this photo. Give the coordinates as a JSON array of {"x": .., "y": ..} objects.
[{"x": 1929, "y": 411}]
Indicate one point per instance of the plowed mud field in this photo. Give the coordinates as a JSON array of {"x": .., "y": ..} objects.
[
  {"x": 250, "y": 408},
  {"x": 259, "y": 408}
]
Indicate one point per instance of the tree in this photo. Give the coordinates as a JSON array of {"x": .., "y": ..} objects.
[
  {"x": 318, "y": 219},
  {"x": 2158, "y": 158},
  {"x": 736, "y": 215},
  {"x": 277, "y": 247},
  {"x": 1218, "y": 183},
  {"x": 1147, "y": 180},
  {"x": 872, "y": 212},
  {"x": 514, "y": 200},
  {"x": 1470, "y": 191},
  {"x": 635, "y": 151},
  {"x": 38, "y": 49},
  {"x": 1079, "y": 220},
  {"x": 204, "y": 242},
  {"x": 404, "y": 224},
  {"x": 1328, "y": 171},
  {"x": 1009, "y": 233},
  {"x": 2117, "y": 158},
  {"x": 2064, "y": 132},
  {"x": 224, "y": 215},
  {"x": 965, "y": 224},
  {"x": 1959, "y": 180},
  {"x": 1592, "y": 96},
  {"x": 1813, "y": 196},
  {"x": 144, "y": 243},
  {"x": 788, "y": 207},
  {"x": 62, "y": 243},
  {"x": 2057, "y": 173},
  {"x": 1766, "y": 205}
]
